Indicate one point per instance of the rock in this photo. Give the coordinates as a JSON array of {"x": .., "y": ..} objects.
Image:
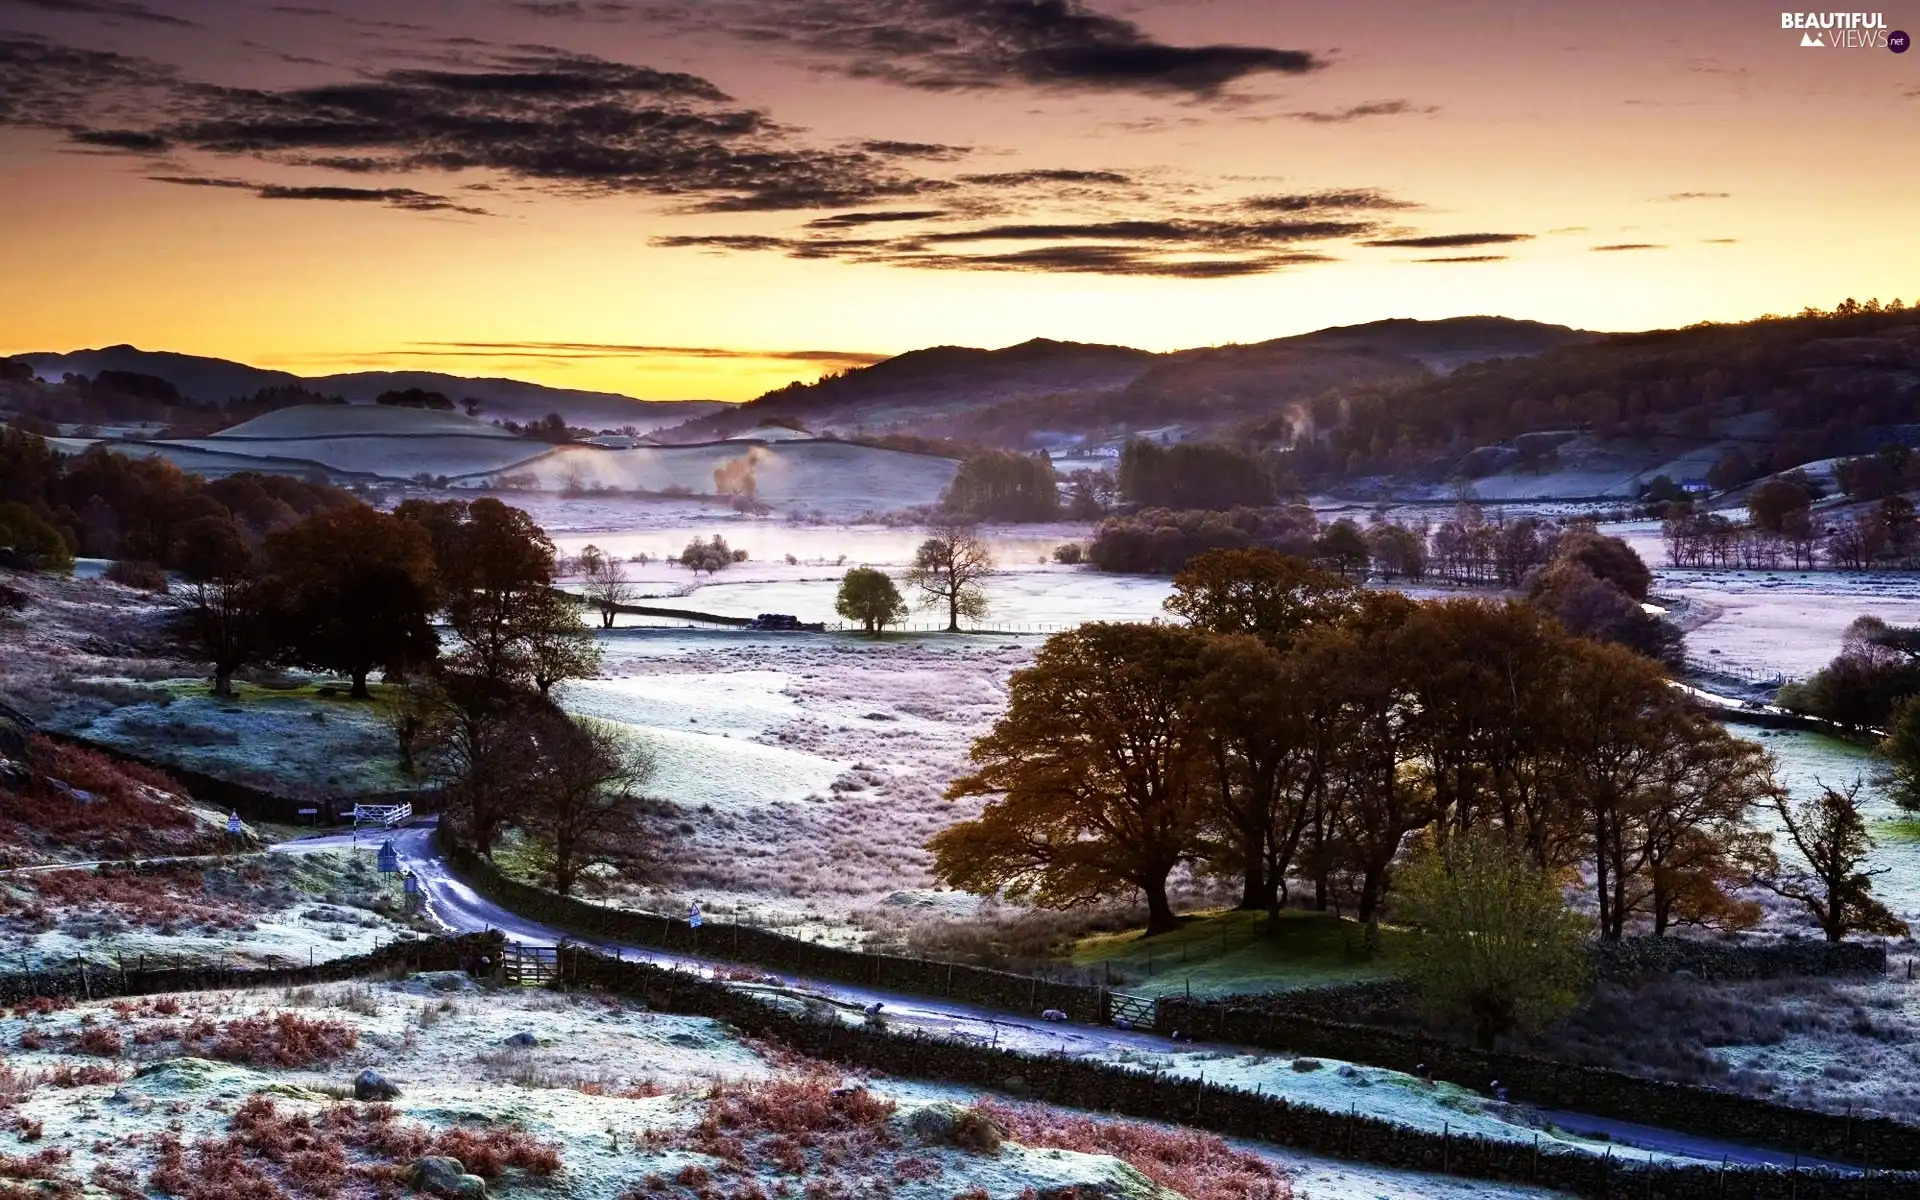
[
  {"x": 1304, "y": 1065},
  {"x": 933, "y": 1124},
  {"x": 1346, "y": 1071},
  {"x": 445, "y": 1176},
  {"x": 523, "y": 1039},
  {"x": 372, "y": 1085},
  {"x": 1014, "y": 1085}
]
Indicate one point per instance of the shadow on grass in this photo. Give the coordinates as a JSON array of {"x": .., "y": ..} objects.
[{"x": 1226, "y": 952}]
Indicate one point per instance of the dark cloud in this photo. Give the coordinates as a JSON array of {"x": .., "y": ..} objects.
[
  {"x": 1212, "y": 234},
  {"x": 125, "y": 10},
  {"x": 548, "y": 121},
  {"x": 1028, "y": 178},
  {"x": 1720, "y": 241},
  {"x": 1463, "y": 258},
  {"x": 1447, "y": 241},
  {"x": 1223, "y": 241},
  {"x": 854, "y": 220},
  {"x": 1118, "y": 260},
  {"x": 1679, "y": 197},
  {"x": 1368, "y": 199},
  {"x": 1360, "y": 112},
  {"x": 958, "y": 45},
  {"x": 405, "y": 198},
  {"x": 541, "y": 120},
  {"x": 122, "y": 139},
  {"x": 1627, "y": 246},
  {"x": 928, "y": 150},
  {"x": 599, "y": 350}
]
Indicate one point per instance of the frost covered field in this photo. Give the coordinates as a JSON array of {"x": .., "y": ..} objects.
[
  {"x": 1771, "y": 623},
  {"x": 540, "y": 1093},
  {"x": 809, "y": 770}
]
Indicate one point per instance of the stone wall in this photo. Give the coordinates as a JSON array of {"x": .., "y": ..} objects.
[
  {"x": 1877, "y": 1141},
  {"x": 1303, "y": 1022},
  {"x": 1104, "y": 1088},
  {"x": 401, "y": 957}
]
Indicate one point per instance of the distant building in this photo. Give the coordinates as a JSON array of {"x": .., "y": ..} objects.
[{"x": 1697, "y": 487}]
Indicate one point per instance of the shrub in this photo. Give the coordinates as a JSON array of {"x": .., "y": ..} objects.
[
  {"x": 133, "y": 573},
  {"x": 102, "y": 1043},
  {"x": 283, "y": 1040}
]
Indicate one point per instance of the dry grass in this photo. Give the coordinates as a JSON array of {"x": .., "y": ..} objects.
[
  {"x": 272, "y": 1154},
  {"x": 111, "y": 900},
  {"x": 831, "y": 1139},
  {"x": 132, "y": 810},
  {"x": 282, "y": 1040},
  {"x": 1199, "y": 1166}
]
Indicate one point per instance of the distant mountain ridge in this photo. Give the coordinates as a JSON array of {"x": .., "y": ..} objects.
[
  {"x": 217, "y": 380},
  {"x": 1043, "y": 389}
]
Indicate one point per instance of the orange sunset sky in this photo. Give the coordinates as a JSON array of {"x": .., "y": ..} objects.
[{"x": 709, "y": 198}]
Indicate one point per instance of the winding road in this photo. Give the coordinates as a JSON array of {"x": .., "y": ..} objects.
[{"x": 453, "y": 905}]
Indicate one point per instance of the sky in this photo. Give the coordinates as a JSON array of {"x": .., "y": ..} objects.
[{"x": 711, "y": 198}]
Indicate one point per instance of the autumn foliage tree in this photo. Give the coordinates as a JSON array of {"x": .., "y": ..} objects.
[
  {"x": 1095, "y": 781},
  {"x": 1299, "y": 730},
  {"x": 353, "y": 593}
]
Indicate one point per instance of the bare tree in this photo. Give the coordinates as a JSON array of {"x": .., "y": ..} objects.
[
  {"x": 948, "y": 570},
  {"x": 607, "y": 584},
  {"x": 1835, "y": 886}
]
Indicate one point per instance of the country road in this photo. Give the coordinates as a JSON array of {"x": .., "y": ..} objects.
[{"x": 458, "y": 908}]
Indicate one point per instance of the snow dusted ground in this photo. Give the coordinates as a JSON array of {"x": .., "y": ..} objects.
[
  {"x": 1771, "y": 623},
  {"x": 611, "y": 1086},
  {"x": 809, "y": 769}
]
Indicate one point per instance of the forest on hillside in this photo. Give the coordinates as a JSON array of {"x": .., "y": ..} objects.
[{"x": 1825, "y": 382}]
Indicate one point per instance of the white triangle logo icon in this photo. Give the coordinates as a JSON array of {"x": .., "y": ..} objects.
[{"x": 1813, "y": 39}]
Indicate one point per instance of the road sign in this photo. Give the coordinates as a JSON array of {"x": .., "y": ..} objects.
[
  {"x": 233, "y": 824},
  {"x": 388, "y": 858},
  {"x": 410, "y": 883}
]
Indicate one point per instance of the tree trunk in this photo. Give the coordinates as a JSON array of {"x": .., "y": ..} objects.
[
  {"x": 1160, "y": 918},
  {"x": 359, "y": 689},
  {"x": 1370, "y": 881},
  {"x": 606, "y": 618},
  {"x": 953, "y": 611},
  {"x": 223, "y": 681}
]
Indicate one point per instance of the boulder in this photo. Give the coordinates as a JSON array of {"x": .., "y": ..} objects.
[
  {"x": 372, "y": 1085},
  {"x": 445, "y": 1177},
  {"x": 523, "y": 1039}
]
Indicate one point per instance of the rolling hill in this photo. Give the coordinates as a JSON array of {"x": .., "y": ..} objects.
[
  {"x": 215, "y": 381},
  {"x": 1044, "y": 392}
]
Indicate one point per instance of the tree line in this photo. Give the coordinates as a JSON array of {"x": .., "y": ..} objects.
[
  {"x": 98, "y": 504},
  {"x": 1783, "y": 532},
  {"x": 1298, "y": 733}
]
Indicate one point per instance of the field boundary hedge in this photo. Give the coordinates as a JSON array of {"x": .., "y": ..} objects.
[{"x": 1231, "y": 1112}]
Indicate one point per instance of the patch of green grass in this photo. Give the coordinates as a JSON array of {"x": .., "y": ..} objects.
[{"x": 1222, "y": 953}]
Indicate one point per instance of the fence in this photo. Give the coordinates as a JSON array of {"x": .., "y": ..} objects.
[
  {"x": 1232, "y": 1112},
  {"x": 1241, "y": 1021}
]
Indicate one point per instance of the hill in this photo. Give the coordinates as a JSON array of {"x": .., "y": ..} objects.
[
  {"x": 923, "y": 385},
  {"x": 1725, "y": 403},
  {"x": 330, "y": 421},
  {"x": 216, "y": 382},
  {"x": 1044, "y": 392}
]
